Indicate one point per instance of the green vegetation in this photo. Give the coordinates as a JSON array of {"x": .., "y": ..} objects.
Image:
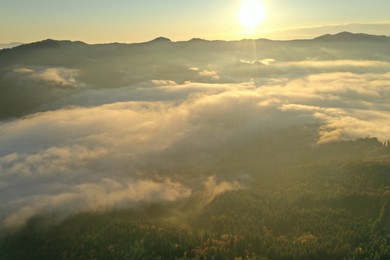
[{"x": 334, "y": 210}]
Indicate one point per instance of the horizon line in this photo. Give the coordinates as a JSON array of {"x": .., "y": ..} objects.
[{"x": 163, "y": 38}]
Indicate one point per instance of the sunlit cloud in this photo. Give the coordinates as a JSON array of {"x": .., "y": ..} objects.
[
  {"x": 112, "y": 152},
  {"x": 57, "y": 76},
  {"x": 91, "y": 141},
  {"x": 213, "y": 188},
  {"x": 212, "y": 74},
  {"x": 97, "y": 196}
]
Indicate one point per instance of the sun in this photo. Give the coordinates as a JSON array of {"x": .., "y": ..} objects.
[{"x": 251, "y": 14}]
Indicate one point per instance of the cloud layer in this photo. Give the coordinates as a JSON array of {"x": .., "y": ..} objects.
[{"x": 164, "y": 140}]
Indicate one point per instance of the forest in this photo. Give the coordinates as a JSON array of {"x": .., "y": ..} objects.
[{"x": 334, "y": 210}]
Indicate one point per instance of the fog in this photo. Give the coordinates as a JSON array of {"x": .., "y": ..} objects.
[{"x": 170, "y": 121}]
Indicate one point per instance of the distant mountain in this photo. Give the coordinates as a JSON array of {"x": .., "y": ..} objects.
[
  {"x": 34, "y": 74},
  {"x": 50, "y": 43},
  {"x": 9, "y": 45},
  {"x": 160, "y": 39},
  {"x": 167, "y": 56},
  {"x": 348, "y": 36},
  {"x": 197, "y": 40}
]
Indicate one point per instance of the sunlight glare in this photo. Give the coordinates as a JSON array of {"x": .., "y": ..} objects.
[{"x": 251, "y": 14}]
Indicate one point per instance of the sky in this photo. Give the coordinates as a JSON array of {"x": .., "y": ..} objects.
[{"x": 100, "y": 21}]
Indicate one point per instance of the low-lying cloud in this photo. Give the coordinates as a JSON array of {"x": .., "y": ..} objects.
[
  {"x": 164, "y": 139},
  {"x": 106, "y": 193},
  {"x": 59, "y": 76}
]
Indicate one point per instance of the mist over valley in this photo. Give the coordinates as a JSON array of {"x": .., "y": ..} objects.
[{"x": 196, "y": 149}]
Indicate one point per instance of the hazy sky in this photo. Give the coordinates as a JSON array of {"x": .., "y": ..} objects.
[{"x": 141, "y": 20}]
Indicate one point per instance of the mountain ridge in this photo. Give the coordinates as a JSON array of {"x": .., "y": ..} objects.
[
  {"x": 61, "y": 67},
  {"x": 342, "y": 36},
  {"x": 10, "y": 45},
  {"x": 347, "y": 36}
]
